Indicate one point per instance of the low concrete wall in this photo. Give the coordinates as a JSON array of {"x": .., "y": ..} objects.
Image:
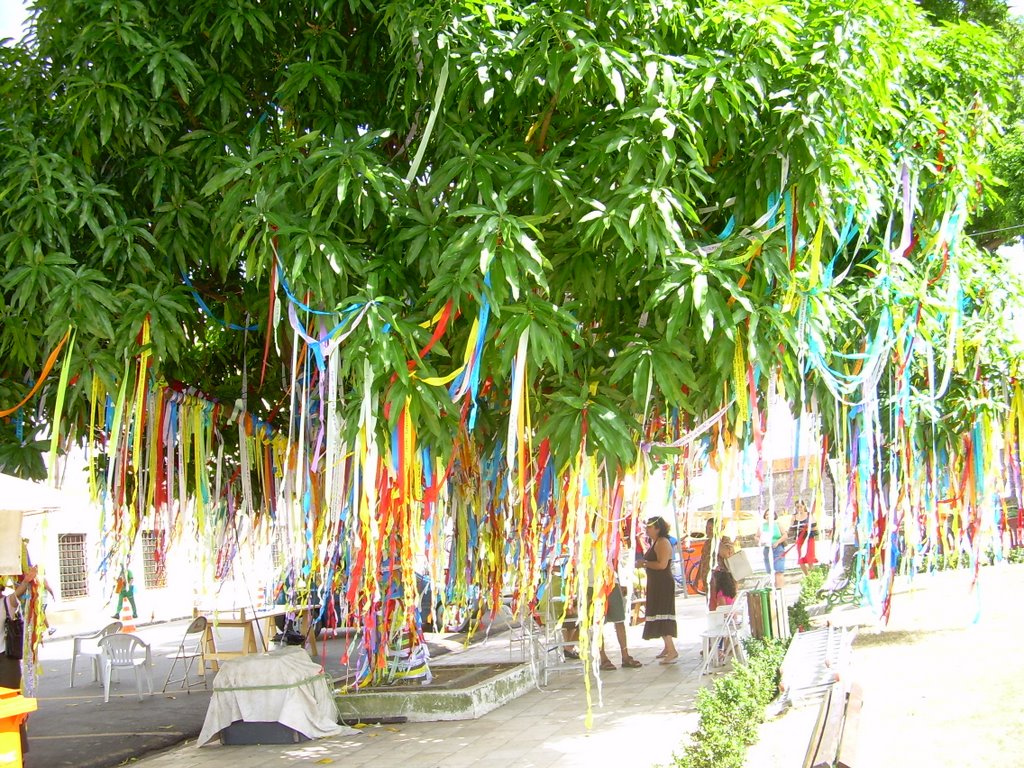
[{"x": 427, "y": 704}]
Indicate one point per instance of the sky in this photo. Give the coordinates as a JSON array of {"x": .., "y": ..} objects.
[{"x": 12, "y": 16}]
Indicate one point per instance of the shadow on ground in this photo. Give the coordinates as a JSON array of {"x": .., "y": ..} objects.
[{"x": 74, "y": 728}]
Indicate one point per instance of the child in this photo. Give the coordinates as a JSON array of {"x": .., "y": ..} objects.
[
  {"x": 125, "y": 588},
  {"x": 722, "y": 586}
]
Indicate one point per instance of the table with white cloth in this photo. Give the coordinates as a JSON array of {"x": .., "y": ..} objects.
[{"x": 284, "y": 686}]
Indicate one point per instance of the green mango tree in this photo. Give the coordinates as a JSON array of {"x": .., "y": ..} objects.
[{"x": 678, "y": 202}]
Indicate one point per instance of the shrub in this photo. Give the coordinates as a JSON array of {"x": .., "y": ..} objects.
[
  {"x": 799, "y": 618},
  {"x": 733, "y": 707},
  {"x": 812, "y": 583}
]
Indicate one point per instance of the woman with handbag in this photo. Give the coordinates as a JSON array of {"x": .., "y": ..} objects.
[{"x": 13, "y": 639}]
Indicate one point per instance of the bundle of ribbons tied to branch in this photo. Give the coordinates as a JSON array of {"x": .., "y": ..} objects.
[{"x": 488, "y": 521}]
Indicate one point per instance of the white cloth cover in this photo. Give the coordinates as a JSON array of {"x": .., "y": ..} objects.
[{"x": 284, "y": 686}]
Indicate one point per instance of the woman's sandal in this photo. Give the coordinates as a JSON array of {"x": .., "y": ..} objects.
[
  {"x": 630, "y": 663},
  {"x": 607, "y": 665}
]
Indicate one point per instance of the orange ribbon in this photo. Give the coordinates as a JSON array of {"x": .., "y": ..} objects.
[{"x": 42, "y": 376}]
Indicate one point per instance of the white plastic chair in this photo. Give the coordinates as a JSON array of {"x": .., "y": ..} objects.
[
  {"x": 724, "y": 636},
  {"x": 87, "y": 647},
  {"x": 120, "y": 651},
  {"x": 192, "y": 648}
]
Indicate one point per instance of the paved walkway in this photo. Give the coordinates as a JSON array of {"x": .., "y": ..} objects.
[
  {"x": 940, "y": 689},
  {"x": 645, "y": 715},
  {"x": 639, "y": 716}
]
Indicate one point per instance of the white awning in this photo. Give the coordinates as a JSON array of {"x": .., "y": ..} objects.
[
  {"x": 19, "y": 495},
  {"x": 20, "y": 498}
]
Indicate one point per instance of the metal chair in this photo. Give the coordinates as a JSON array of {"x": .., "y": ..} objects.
[
  {"x": 191, "y": 648},
  {"x": 524, "y": 629},
  {"x": 86, "y": 646},
  {"x": 120, "y": 651},
  {"x": 724, "y": 636},
  {"x": 554, "y": 649}
]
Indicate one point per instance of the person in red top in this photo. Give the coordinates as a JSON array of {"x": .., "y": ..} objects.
[
  {"x": 722, "y": 585},
  {"x": 805, "y": 533}
]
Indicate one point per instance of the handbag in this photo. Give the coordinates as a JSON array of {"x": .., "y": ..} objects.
[{"x": 14, "y": 634}]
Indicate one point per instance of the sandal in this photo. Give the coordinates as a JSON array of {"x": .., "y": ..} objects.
[
  {"x": 630, "y": 663},
  {"x": 607, "y": 665},
  {"x": 569, "y": 653}
]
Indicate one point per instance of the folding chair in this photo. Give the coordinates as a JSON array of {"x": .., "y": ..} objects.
[
  {"x": 521, "y": 628},
  {"x": 724, "y": 636},
  {"x": 87, "y": 647},
  {"x": 554, "y": 651},
  {"x": 191, "y": 648},
  {"x": 120, "y": 651}
]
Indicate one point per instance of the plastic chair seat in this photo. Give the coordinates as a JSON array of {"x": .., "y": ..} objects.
[
  {"x": 120, "y": 651},
  {"x": 87, "y": 646}
]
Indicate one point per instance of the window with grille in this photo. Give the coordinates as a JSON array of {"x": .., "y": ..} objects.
[
  {"x": 154, "y": 569},
  {"x": 74, "y": 573}
]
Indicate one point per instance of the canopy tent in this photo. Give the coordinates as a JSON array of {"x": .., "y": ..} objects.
[{"x": 19, "y": 498}]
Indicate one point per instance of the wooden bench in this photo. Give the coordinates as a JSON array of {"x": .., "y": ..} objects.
[
  {"x": 637, "y": 610},
  {"x": 833, "y": 742},
  {"x": 814, "y": 661}
]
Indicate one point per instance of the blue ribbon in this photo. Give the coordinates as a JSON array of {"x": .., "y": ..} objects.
[{"x": 202, "y": 305}]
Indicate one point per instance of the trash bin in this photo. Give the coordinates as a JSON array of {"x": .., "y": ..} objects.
[
  {"x": 14, "y": 708},
  {"x": 768, "y": 614},
  {"x": 759, "y": 614},
  {"x": 281, "y": 697},
  {"x": 246, "y": 732}
]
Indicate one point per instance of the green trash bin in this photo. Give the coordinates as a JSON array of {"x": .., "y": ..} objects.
[
  {"x": 769, "y": 619},
  {"x": 759, "y": 611}
]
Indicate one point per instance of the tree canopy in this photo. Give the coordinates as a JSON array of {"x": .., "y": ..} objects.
[
  {"x": 641, "y": 187},
  {"x": 1000, "y": 220},
  {"x": 648, "y": 211}
]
